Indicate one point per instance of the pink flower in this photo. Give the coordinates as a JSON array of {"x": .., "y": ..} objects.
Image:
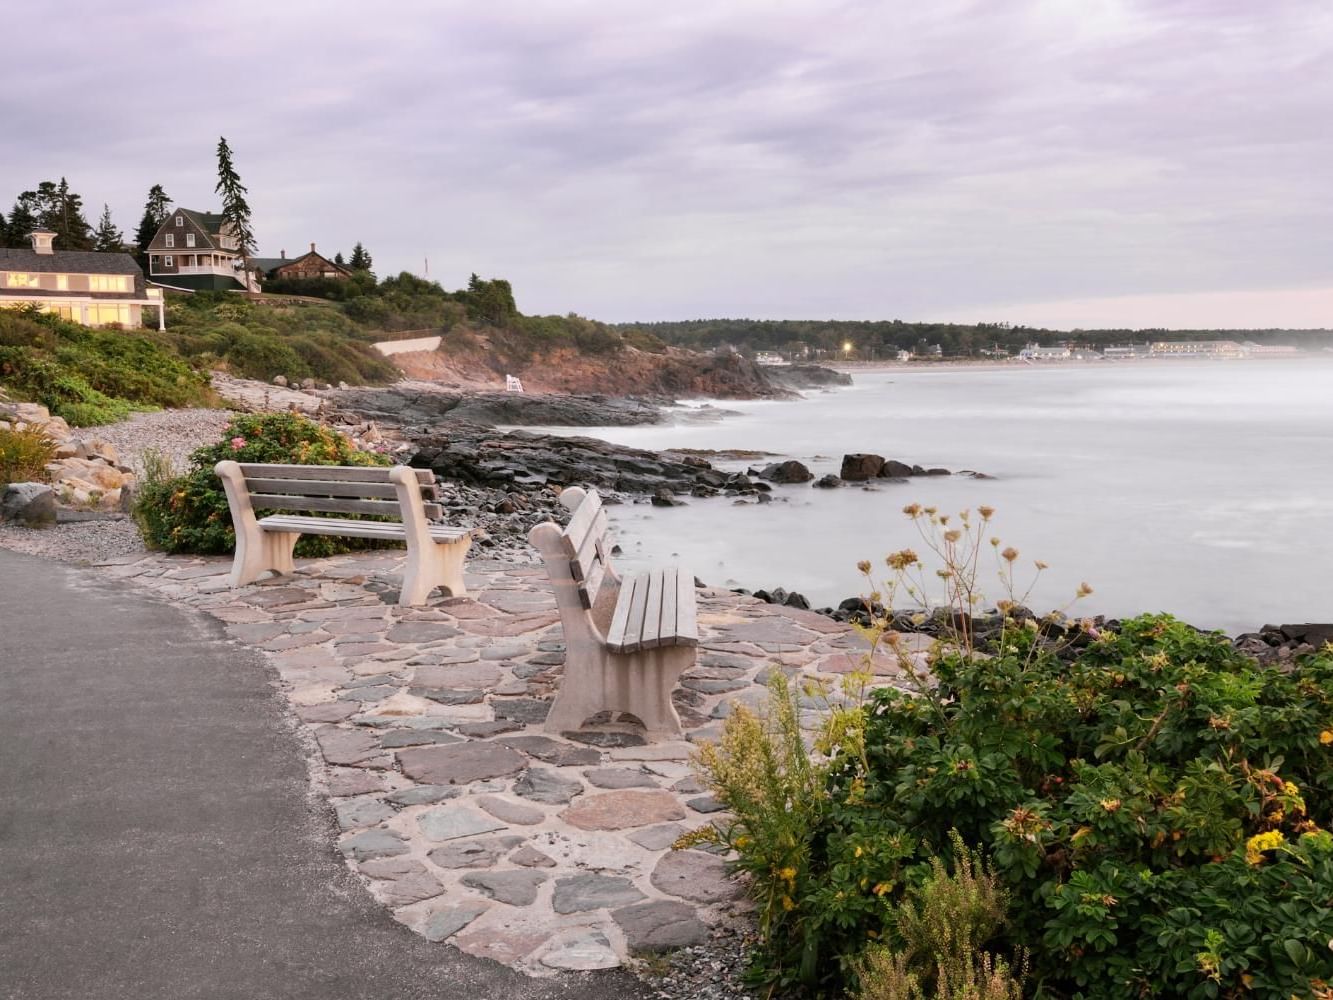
[{"x": 237, "y": 443}]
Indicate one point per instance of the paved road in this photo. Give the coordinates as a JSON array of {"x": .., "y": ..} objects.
[{"x": 158, "y": 837}]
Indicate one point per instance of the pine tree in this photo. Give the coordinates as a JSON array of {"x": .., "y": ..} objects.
[
  {"x": 338, "y": 259},
  {"x": 155, "y": 212},
  {"x": 235, "y": 209},
  {"x": 22, "y": 220},
  {"x": 108, "y": 239},
  {"x": 61, "y": 211},
  {"x": 361, "y": 259}
]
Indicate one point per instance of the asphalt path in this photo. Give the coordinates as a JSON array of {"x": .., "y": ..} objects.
[{"x": 158, "y": 832}]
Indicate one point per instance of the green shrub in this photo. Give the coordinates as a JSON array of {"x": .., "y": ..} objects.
[
  {"x": 1156, "y": 803},
  {"x": 23, "y": 456},
  {"x": 189, "y": 513}
]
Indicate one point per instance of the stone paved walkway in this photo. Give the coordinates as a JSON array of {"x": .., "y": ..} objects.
[{"x": 542, "y": 851}]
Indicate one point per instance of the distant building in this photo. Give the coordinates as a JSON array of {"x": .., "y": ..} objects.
[
  {"x": 95, "y": 289},
  {"x": 1035, "y": 352},
  {"x": 307, "y": 266},
  {"x": 1126, "y": 352},
  {"x": 1268, "y": 349},
  {"x": 771, "y": 358},
  {"x": 935, "y": 351},
  {"x": 195, "y": 251},
  {"x": 1197, "y": 349},
  {"x": 1084, "y": 354},
  {"x": 904, "y": 355}
]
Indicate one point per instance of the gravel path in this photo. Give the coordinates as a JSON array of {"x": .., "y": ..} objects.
[{"x": 174, "y": 432}]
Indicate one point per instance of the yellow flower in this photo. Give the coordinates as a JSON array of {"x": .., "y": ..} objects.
[
  {"x": 787, "y": 875},
  {"x": 859, "y": 851},
  {"x": 787, "y": 904},
  {"x": 1326, "y": 737},
  {"x": 1260, "y": 842},
  {"x": 882, "y": 887}
]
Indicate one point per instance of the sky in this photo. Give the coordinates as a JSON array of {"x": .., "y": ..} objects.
[{"x": 1068, "y": 163}]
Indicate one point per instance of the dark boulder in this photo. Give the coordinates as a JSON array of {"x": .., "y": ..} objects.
[
  {"x": 938, "y": 472},
  {"x": 856, "y": 468},
  {"x": 663, "y": 497},
  {"x": 893, "y": 469},
  {"x": 29, "y": 504},
  {"x": 827, "y": 482},
  {"x": 790, "y": 471}
]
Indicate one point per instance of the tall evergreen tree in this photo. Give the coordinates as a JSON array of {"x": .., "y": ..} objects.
[
  {"x": 361, "y": 259},
  {"x": 338, "y": 259},
  {"x": 61, "y": 210},
  {"x": 22, "y": 220},
  {"x": 108, "y": 239},
  {"x": 155, "y": 212},
  {"x": 235, "y": 209}
]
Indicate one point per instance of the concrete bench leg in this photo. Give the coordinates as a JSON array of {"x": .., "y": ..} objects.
[
  {"x": 436, "y": 564},
  {"x": 260, "y": 552},
  {"x": 637, "y": 683}
]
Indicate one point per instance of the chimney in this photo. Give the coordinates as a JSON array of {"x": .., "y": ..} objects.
[
  {"x": 41, "y": 241},
  {"x": 312, "y": 248},
  {"x": 284, "y": 254}
]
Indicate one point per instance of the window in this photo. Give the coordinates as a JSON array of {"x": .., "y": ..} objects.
[
  {"x": 16, "y": 279},
  {"x": 108, "y": 283},
  {"x": 100, "y": 315},
  {"x": 62, "y": 282},
  {"x": 189, "y": 239},
  {"x": 180, "y": 220},
  {"x": 168, "y": 261},
  {"x": 171, "y": 239}
]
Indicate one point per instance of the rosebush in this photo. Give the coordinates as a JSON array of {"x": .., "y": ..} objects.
[{"x": 189, "y": 513}]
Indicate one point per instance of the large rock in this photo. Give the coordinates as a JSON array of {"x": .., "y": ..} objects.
[
  {"x": 460, "y": 763},
  {"x": 622, "y": 809},
  {"x": 660, "y": 925},
  {"x": 790, "y": 471},
  {"x": 893, "y": 469},
  {"x": 694, "y": 875},
  {"x": 577, "y": 893},
  {"x": 29, "y": 504},
  {"x": 859, "y": 467}
]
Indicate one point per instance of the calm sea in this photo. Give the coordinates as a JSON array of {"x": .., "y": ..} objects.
[{"x": 1200, "y": 488}]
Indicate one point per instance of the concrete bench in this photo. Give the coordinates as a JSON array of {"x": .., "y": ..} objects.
[
  {"x": 435, "y": 551},
  {"x": 628, "y": 637}
]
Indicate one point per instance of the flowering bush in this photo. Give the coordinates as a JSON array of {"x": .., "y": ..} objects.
[
  {"x": 1156, "y": 803},
  {"x": 189, "y": 513}
]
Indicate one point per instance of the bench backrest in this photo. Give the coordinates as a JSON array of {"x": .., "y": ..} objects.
[
  {"x": 586, "y": 543},
  {"x": 334, "y": 489}
]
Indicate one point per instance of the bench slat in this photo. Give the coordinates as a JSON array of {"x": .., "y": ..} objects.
[
  {"x": 634, "y": 627},
  {"x": 591, "y": 550},
  {"x": 341, "y": 473},
  {"x": 591, "y": 587},
  {"x": 274, "y": 501},
  {"x": 312, "y": 487},
  {"x": 651, "y": 636},
  {"x": 669, "y": 603},
  {"x": 359, "y": 529},
  {"x": 687, "y": 623},
  {"x": 615, "y": 635},
  {"x": 582, "y": 522}
]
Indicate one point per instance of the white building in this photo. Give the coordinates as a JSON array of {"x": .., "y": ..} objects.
[
  {"x": 1035, "y": 352},
  {"x": 83, "y": 286}
]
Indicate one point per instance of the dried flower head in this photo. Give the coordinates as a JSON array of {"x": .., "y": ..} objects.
[
  {"x": 952, "y": 536},
  {"x": 901, "y": 560},
  {"x": 986, "y": 512},
  {"x": 864, "y": 567},
  {"x": 1009, "y": 554},
  {"x": 912, "y": 510},
  {"x": 1084, "y": 590}
]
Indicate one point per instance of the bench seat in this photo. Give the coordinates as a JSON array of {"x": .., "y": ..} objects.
[
  {"x": 653, "y": 609},
  {"x": 387, "y": 530}
]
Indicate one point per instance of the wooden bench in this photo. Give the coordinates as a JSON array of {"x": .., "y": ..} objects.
[
  {"x": 627, "y": 638},
  {"x": 435, "y": 551}
]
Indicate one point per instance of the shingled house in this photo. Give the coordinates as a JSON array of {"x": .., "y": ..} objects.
[
  {"x": 308, "y": 265},
  {"x": 197, "y": 250},
  {"x": 95, "y": 289}
]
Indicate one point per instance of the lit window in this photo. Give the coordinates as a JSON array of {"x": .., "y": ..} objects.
[
  {"x": 62, "y": 282},
  {"x": 108, "y": 283},
  {"x": 15, "y": 279},
  {"x": 180, "y": 220},
  {"x": 168, "y": 261},
  {"x": 189, "y": 239},
  {"x": 171, "y": 239}
]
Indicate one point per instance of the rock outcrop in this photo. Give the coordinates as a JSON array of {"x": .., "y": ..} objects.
[
  {"x": 32, "y": 505},
  {"x": 86, "y": 473}
]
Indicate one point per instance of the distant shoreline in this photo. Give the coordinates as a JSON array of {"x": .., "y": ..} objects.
[{"x": 959, "y": 364}]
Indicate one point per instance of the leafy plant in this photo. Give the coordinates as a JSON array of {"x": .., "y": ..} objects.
[
  {"x": 23, "y": 455},
  {"x": 1155, "y": 802},
  {"x": 189, "y": 513}
]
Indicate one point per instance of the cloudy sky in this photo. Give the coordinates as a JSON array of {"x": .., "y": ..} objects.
[{"x": 1066, "y": 162}]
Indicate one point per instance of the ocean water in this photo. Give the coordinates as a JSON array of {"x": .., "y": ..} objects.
[{"x": 1200, "y": 488}]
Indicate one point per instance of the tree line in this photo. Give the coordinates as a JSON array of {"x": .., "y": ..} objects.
[{"x": 882, "y": 339}]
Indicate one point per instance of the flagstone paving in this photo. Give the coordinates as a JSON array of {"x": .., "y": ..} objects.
[{"x": 544, "y": 851}]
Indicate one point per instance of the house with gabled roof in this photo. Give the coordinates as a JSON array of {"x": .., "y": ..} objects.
[
  {"x": 307, "y": 266},
  {"x": 197, "y": 250},
  {"x": 83, "y": 286}
]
